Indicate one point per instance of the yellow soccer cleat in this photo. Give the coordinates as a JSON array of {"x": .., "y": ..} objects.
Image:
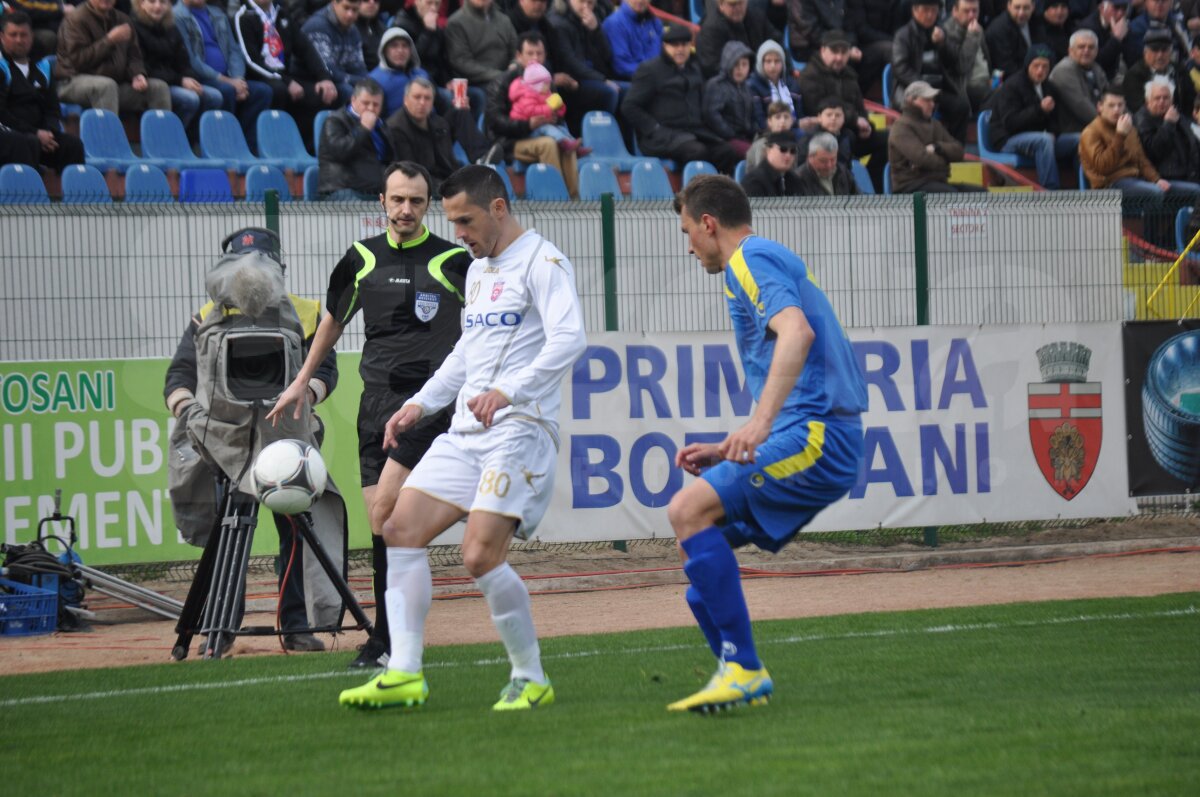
[
  {"x": 390, "y": 689},
  {"x": 522, "y": 694},
  {"x": 731, "y": 686}
]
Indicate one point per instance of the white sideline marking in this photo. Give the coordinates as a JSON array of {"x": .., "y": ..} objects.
[{"x": 791, "y": 640}]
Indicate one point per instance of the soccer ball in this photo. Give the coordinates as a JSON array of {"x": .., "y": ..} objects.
[{"x": 289, "y": 476}]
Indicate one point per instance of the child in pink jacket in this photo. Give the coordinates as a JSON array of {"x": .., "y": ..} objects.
[{"x": 531, "y": 97}]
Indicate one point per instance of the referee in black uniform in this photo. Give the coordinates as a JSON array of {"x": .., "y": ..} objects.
[{"x": 409, "y": 285}]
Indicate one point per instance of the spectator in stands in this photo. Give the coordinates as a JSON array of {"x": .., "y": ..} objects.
[
  {"x": 275, "y": 53},
  {"x": 1024, "y": 120},
  {"x": 371, "y": 24},
  {"x": 583, "y": 47},
  {"x": 45, "y": 16},
  {"x": 823, "y": 174},
  {"x": 1056, "y": 27},
  {"x": 829, "y": 75},
  {"x": 920, "y": 52},
  {"x": 421, "y": 20},
  {"x": 515, "y": 137},
  {"x": 664, "y": 104},
  {"x": 100, "y": 64},
  {"x": 728, "y": 104},
  {"x": 166, "y": 59},
  {"x": 869, "y": 31},
  {"x": 1156, "y": 60},
  {"x": 776, "y": 174},
  {"x": 1110, "y": 22},
  {"x": 531, "y": 97},
  {"x": 1157, "y": 15},
  {"x": 398, "y": 64},
  {"x": 831, "y": 119},
  {"x": 920, "y": 149},
  {"x": 634, "y": 37},
  {"x": 1078, "y": 82},
  {"x": 338, "y": 45},
  {"x": 734, "y": 21},
  {"x": 354, "y": 147},
  {"x": 971, "y": 75},
  {"x": 770, "y": 83},
  {"x": 418, "y": 134},
  {"x": 480, "y": 41},
  {"x": 300, "y": 10},
  {"x": 1166, "y": 139},
  {"x": 779, "y": 120},
  {"x": 217, "y": 59},
  {"x": 28, "y": 101},
  {"x": 1010, "y": 35}
]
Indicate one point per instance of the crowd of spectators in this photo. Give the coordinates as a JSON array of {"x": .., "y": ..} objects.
[{"x": 780, "y": 84}]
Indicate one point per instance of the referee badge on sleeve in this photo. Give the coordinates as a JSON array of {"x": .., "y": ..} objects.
[{"x": 427, "y": 306}]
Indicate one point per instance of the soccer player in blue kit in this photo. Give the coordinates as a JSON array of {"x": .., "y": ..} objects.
[{"x": 797, "y": 454}]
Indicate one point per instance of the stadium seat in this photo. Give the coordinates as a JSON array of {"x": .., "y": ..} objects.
[
  {"x": 146, "y": 183},
  {"x": 164, "y": 139},
  {"x": 544, "y": 183},
  {"x": 649, "y": 181},
  {"x": 602, "y": 133},
  {"x": 693, "y": 168},
  {"x": 1004, "y": 158},
  {"x": 1181, "y": 236},
  {"x": 279, "y": 139},
  {"x": 1083, "y": 180},
  {"x": 460, "y": 155},
  {"x": 204, "y": 185},
  {"x": 739, "y": 171},
  {"x": 885, "y": 86},
  {"x": 82, "y": 184},
  {"x": 22, "y": 185},
  {"x": 696, "y": 11},
  {"x": 312, "y": 178},
  {"x": 887, "y": 179},
  {"x": 105, "y": 145},
  {"x": 503, "y": 172},
  {"x": 597, "y": 178},
  {"x": 221, "y": 138},
  {"x": 861, "y": 178},
  {"x": 318, "y": 123},
  {"x": 260, "y": 179}
]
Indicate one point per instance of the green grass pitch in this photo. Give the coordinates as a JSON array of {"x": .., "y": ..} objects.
[{"x": 1071, "y": 698}]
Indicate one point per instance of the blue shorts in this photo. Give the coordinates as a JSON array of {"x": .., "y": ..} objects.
[{"x": 800, "y": 470}]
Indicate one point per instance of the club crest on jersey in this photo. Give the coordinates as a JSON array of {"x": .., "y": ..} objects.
[
  {"x": 427, "y": 305},
  {"x": 497, "y": 289}
]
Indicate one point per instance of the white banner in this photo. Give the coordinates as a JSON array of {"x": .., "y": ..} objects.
[{"x": 966, "y": 425}]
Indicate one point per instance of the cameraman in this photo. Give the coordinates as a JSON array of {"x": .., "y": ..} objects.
[{"x": 181, "y": 396}]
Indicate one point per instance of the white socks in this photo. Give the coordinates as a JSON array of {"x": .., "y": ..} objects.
[
  {"x": 508, "y": 600},
  {"x": 409, "y": 595}
]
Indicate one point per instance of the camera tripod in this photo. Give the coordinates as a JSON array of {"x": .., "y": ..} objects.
[{"x": 216, "y": 599}]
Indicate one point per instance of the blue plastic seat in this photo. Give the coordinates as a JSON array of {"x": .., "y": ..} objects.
[
  {"x": 312, "y": 178},
  {"x": 693, "y": 168},
  {"x": 1084, "y": 183},
  {"x": 105, "y": 145},
  {"x": 503, "y": 172},
  {"x": 1181, "y": 236},
  {"x": 22, "y": 185},
  {"x": 602, "y": 133},
  {"x": 545, "y": 184},
  {"x": 146, "y": 183},
  {"x": 260, "y": 179},
  {"x": 204, "y": 185},
  {"x": 318, "y": 123},
  {"x": 987, "y": 154},
  {"x": 164, "y": 139},
  {"x": 279, "y": 139},
  {"x": 885, "y": 86},
  {"x": 861, "y": 178},
  {"x": 696, "y": 11},
  {"x": 83, "y": 184},
  {"x": 221, "y": 137},
  {"x": 597, "y": 178},
  {"x": 887, "y": 178},
  {"x": 460, "y": 155},
  {"x": 650, "y": 181},
  {"x": 739, "y": 171}
]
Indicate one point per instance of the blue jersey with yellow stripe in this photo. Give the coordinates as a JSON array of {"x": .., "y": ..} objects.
[{"x": 762, "y": 279}]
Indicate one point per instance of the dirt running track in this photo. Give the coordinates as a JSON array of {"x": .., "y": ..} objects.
[{"x": 577, "y": 593}]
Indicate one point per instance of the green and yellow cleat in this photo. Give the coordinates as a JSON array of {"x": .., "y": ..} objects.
[
  {"x": 730, "y": 687},
  {"x": 390, "y": 689},
  {"x": 522, "y": 694}
]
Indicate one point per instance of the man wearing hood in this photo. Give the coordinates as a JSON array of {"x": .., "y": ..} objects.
[
  {"x": 770, "y": 82},
  {"x": 728, "y": 105},
  {"x": 271, "y": 47},
  {"x": 1024, "y": 120},
  {"x": 634, "y": 36},
  {"x": 399, "y": 63}
]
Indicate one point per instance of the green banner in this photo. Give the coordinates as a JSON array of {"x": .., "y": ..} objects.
[{"x": 98, "y": 430}]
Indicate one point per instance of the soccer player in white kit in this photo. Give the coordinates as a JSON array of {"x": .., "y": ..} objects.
[{"x": 522, "y": 332}]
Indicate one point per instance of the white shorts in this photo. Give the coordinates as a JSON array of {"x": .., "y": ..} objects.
[{"x": 507, "y": 470}]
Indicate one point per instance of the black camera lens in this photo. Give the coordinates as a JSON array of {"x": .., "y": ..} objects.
[{"x": 256, "y": 367}]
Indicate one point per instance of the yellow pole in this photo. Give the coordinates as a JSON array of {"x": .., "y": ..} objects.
[{"x": 1171, "y": 272}]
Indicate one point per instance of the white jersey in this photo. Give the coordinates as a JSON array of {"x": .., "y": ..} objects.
[{"x": 522, "y": 332}]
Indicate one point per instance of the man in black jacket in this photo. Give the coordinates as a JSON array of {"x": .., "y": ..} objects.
[
  {"x": 920, "y": 53},
  {"x": 734, "y": 21},
  {"x": 1166, "y": 138},
  {"x": 664, "y": 104},
  {"x": 776, "y": 175},
  {"x": 419, "y": 135},
  {"x": 1010, "y": 35},
  {"x": 822, "y": 174},
  {"x": 354, "y": 147},
  {"x": 1110, "y": 22},
  {"x": 1023, "y": 120},
  {"x": 1156, "y": 60}
]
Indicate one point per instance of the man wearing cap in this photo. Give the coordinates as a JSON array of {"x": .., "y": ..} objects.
[
  {"x": 920, "y": 52},
  {"x": 920, "y": 150},
  {"x": 1157, "y": 15},
  {"x": 776, "y": 174},
  {"x": 664, "y": 105},
  {"x": 1024, "y": 122},
  {"x": 734, "y": 21},
  {"x": 822, "y": 174},
  {"x": 829, "y": 75},
  {"x": 1110, "y": 22},
  {"x": 1156, "y": 60},
  {"x": 1079, "y": 81},
  {"x": 1010, "y": 35}
]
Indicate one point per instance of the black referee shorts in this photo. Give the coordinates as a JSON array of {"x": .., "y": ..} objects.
[{"x": 376, "y": 407}]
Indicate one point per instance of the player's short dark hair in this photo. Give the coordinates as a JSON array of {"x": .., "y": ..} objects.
[
  {"x": 409, "y": 169},
  {"x": 481, "y": 184},
  {"x": 715, "y": 195},
  {"x": 368, "y": 85},
  {"x": 16, "y": 18}
]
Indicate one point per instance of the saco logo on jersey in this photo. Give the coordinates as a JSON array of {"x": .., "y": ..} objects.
[
  {"x": 1065, "y": 423},
  {"x": 427, "y": 305},
  {"x": 506, "y": 319}
]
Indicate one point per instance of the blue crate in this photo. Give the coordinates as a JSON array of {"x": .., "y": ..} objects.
[{"x": 26, "y": 610}]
